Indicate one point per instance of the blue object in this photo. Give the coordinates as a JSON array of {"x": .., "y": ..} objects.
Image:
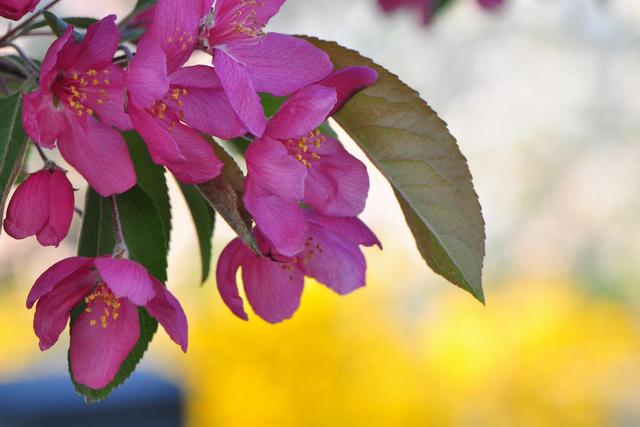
[{"x": 143, "y": 401}]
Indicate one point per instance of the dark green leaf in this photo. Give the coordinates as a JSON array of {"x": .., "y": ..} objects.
[
  {"x": 59, "y": 26},
  {"x": 148, "y": 244},
  {"x": 415, "y": 151},
  {"x": 13, "y": 142},
  {"x": 224, "y": 194},
  {"x": 204, "y": 218},
  {"x": 151, "y": 178},
  {"x": 78, "y": 22},
  {"x": 144, "y": 5}
]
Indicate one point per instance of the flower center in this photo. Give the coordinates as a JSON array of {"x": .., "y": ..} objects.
[
  {"x": 81, "y": 91},
  {"x": 103, "y": 294},
  {"x": 169, "y": 109},
  {"x": 303, "y": 149},
  {"x": 239, "y": 22}
]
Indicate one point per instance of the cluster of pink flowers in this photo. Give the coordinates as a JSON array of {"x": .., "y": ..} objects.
[
  {"x": 303, "y": 189},
  {"x": 428, "y": 8}
]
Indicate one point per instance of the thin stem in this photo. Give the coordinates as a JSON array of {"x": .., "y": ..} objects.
[
  {"x": 43, "y": 156},
  {"x": 32, "y": 66},
  {"x": 120, "y": 249},
  {"x": 3, "y": 87},
  {"x": 127, "y": 52},
  {"x": 11, "y": 33}
]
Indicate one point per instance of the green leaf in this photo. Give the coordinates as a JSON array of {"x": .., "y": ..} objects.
[
  {"x": 151, "y": 178},
  {"x": 204, "y": 218},
  {"x": 148, "y": 244},
  {"x": 224, "y": 194},
  {"x": 76, "y": 21},
  {"x": 415, "y": 151},
  {"x": 13, "y": 143},
  {"x": 142, "y": 5},
  {"x": 59, "y": 26}
]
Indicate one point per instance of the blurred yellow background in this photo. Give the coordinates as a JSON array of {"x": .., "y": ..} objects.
[{"x": 543, "y": 98}]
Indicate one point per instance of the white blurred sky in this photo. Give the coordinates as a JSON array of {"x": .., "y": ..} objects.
[{"x": 543, "y": 99}]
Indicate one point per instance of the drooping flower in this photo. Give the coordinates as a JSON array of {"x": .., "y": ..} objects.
[
  {"x": 249, "y": 61},
  {"x": 16, "y": 9},
  {"x": 110, "y": 291},
  {"x": 293, "y": 162},
  {"x": 80, "y": 99},
  {"x": 41, "y": 206},
  {"x": 331, "y": 255},
  {"x": 168, "y": 104}
]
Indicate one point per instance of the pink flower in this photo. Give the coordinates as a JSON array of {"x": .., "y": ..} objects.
[
  {"x": 80, "y": 99},
  {"x": 42, "y": 206},
  {"x": 293, "y": 162},
  {"x": 491, "y": 4},
  {"x": 169, "y": 104},
  {"x": 331, "y": 255},
  {"x": 108, "y": 328},
  {"x": 249, "y": 61},
  {"x": 16, "y": 9}
]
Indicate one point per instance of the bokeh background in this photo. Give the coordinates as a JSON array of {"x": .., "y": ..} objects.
[{"x": 543, "y": 96}]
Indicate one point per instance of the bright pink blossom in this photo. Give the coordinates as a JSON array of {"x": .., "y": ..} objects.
[
  {"x": 293, "y": 162},
  {"x": 169, "y": 104},
  {"x": 331, "y": 255},
  {"x": 41, "y": 206},
  {"x": 249, "y": 61},
  {"x": 16, "y": 9},
  {"x": 108, "y": 328},
  {"x": 80, "y": 100}
]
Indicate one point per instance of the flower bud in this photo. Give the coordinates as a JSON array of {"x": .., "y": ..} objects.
[
  {"x": 42, "y": 206},
  {"x": 16, "y": 9}
]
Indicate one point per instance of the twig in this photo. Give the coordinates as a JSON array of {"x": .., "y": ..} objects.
[
  {"x": 11, "y": 33},
  {"x": 43, "y": 156},
  {"x": 32, "y": 65},
  {"x": 3, "y": 87}
]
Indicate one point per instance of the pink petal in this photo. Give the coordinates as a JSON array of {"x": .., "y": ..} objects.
[
  {"x": 166, "y": 309},
  {"x": 232, "y": 257},
  {"x": 302, "y": 113},
  {"x": 338, "y": 183},
  {"x": 162, "y": 144},
  {"x": 55, "y": 274},
  {"x": 350, "y": 229},
  {"x": 273, "y": 170},
  {"x": 205, "y": 99},
  {"x": 240, "y": 92},
  {"x": 273, "y": 289},
  {"x": 61, "y": 207},
  {"x": 348, "y": 81},
  {"x": 96, "y": 353},
  {"x": 16, "y": 9},
  {"x": 175, "y": 28},
  {"x": 40, "y": 119},
  {"x": 111, "y": 108},
  {"x": 96, "y": 49},
  {"x": 333, "y": 261},
  {"x": 49, "y": 68},
  {"x": 146, "y": 77},
  {"x": 201, "y": 163},
  {"x": 126, "y": 279},
  {"x": 100, "y": 154},
  {"x": 281, "y": 64},
  {"x": 28, "y": 209},
  {"x": 54, "y": 308},
  {"x": 281, "y": 220},
  {"x": 229, "y": 14}
]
